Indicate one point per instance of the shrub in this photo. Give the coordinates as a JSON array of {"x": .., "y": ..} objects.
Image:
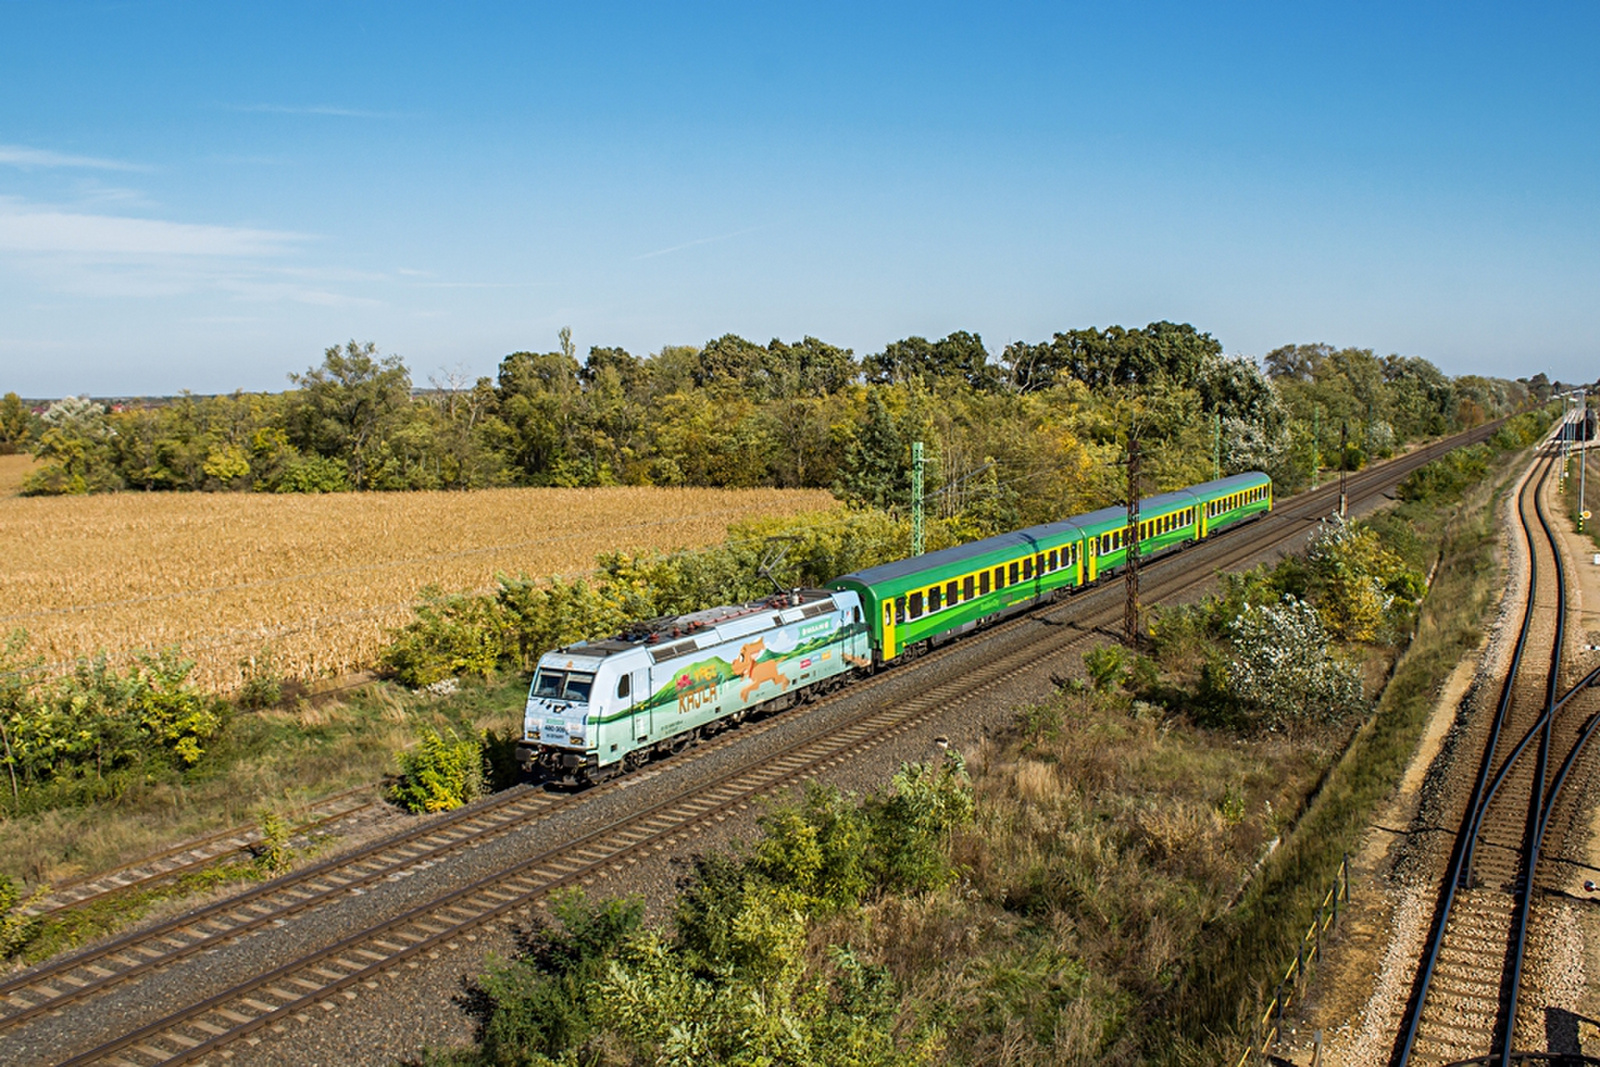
[
  {"x": 263, "y": 682},
  {"x": 439, "y": 774},
  {"x": 1283, "y": 670},
  {"x": 451, "y": 635}
]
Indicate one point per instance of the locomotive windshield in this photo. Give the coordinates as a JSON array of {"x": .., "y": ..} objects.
[{"x": 563, "y": 685}]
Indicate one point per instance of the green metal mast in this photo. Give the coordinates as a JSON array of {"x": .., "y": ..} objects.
[
  {"x": 916, "y": 498},
  {"x": 1316, "y": 445}
]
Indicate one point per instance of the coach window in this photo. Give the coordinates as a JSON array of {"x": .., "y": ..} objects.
[
  {"x": 983, "y": 584},
  {"x": 935, "y": 599},
  {"x": 899, "y": 609},
  {"x": 966, "y": 587},
  {"x": 1027, "y": 569},
  {"x": 1053, "y": 559},
  {"x": 916, "y": 604},
  {"x": 950, "y": 591},
  {"x": 1011, "y": 577}
]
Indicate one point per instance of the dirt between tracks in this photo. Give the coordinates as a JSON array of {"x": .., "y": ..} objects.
[{"x": 1360, "y": 991}]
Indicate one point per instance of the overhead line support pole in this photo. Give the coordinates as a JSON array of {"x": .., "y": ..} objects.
[
  {"x": 916, "y": 498},
  {"x": 1130, "y": 614}
]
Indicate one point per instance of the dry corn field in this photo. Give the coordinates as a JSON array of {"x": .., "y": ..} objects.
[{"x": 317, "y": 580}]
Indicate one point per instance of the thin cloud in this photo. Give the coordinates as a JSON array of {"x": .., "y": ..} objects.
[
  {"x": 332, "y": 110},
  {"x": 701, "y": 241},
  {"x": 35, "y": 230},
  {"x": 22, "y": 156}
]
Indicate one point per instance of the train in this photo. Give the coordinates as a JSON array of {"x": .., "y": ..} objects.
[{"x": 600, "y": 708}]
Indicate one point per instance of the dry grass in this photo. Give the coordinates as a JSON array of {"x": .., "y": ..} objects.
[
  {"x": 318, "y": 580},
  {"x": 13, "y": 469}
]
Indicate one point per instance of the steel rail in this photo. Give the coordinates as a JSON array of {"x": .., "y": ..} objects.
[
  {"x": 1477, "y": 802},
  {"x": 1541, "y": 775}
]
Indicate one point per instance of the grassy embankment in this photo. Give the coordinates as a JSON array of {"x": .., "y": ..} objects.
[
  {"x": 266, "y": 761},
  {"x": 1239, "y": 956}
]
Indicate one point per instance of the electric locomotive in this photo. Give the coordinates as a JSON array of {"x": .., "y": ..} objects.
[{"x": 597, "y": 708}]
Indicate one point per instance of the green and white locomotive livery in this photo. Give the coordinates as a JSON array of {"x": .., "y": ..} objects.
[{"x": 599, "y": 707}]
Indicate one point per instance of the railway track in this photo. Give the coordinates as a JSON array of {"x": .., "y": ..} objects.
[
  {"x": 213, "y": 1019},
  {"x": 322, "y": 817},
  {"x": 1476, "y": 989}
]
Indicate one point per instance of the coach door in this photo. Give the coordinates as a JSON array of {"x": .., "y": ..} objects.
[
  {"x": 1091, "y": 554},
  {"x": 888, "y": 630}
]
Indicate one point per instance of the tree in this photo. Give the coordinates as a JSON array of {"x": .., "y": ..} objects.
[
  {"x": 76, "y": 448},
  {"x": 1283, "y": 671},
  {"x": 16, "y": 424},
  {"x": 959, "y": 356},
  {"x": 876, "y": 466},
  {"x": 345, "y": 406}
]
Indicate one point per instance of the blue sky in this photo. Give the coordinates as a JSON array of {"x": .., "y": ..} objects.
[{"x": 207, "y": 195}]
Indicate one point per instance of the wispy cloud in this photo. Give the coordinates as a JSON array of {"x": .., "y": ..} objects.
[
  {"x": 44, "y": 230},
  {"x": 22, "y": 156},
  {"x": 333, "y": 110},
  {"x": 701, "y": 241}
]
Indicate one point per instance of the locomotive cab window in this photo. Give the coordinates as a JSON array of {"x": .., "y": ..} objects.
[{"x": 623, "y": 684}]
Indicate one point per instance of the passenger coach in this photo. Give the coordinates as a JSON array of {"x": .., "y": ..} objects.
[{"x": 912, "y": 603}]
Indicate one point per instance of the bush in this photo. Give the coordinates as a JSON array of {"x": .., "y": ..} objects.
[
  {"x": 1284, "y": 672},
  {"x": 451, "y": 635},
  {"x": 263, "y": 683},
  {"x": 439, "y": 774}
]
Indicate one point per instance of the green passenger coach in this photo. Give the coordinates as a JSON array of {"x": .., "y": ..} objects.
[{"x": 912, "y": 604}]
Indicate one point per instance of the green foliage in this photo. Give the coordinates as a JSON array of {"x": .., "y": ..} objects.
[
  {"x": 17, "y": 928},
  {"x": 737, "y": 982},
  {"x": 272, "y": 853},
  {"x": 75, "y": 446},
  {"x": 263, "y": 682},
  {"x": 452, "y": 634},
  {"x": 1107, "y": 667},
  {"x": 97, "y": 719},
  {"x": 1362, "y": 589},
  {"x": 16, "y": 424},
  {"x": 439, "y": 774}
]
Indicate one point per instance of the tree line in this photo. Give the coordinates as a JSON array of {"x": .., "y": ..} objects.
[{"x": 1010, "y": 438}]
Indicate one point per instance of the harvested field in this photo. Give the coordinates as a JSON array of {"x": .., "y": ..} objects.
[
  {"x": 317, "y": 580},
  {"x": 13, "y": 469}
]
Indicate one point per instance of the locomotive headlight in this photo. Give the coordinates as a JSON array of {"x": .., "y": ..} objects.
[{"x": 577, "y": 739}]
